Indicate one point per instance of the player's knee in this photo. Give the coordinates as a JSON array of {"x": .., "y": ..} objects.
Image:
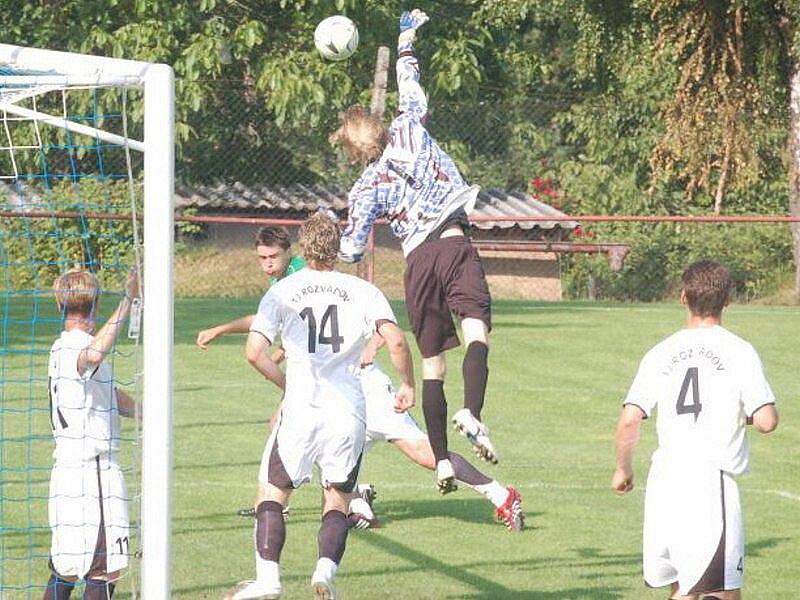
[
  {"x": 434, "y": 367},
  {"x": 335, "y": 499},
  {"x": 474, "y": 330}
]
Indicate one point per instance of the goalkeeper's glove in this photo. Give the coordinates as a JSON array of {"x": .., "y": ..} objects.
[{"x": 409, "y": 23}]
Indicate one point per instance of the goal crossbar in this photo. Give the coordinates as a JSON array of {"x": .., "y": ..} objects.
[
  {"x": 63, "y": 123},
  {"x": 48, "y": 68}
]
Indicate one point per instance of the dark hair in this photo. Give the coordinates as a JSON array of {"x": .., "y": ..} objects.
[
  {"x": 273, "y": 236},
  {"x": 707, "y": 285}
]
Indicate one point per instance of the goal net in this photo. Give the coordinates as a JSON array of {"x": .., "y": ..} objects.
[{"x": 86, "y": 183}]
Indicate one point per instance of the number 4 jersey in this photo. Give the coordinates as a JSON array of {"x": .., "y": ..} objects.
[
  {"x": 705, "y": 382},
  {"x": 324, "y": 319}
]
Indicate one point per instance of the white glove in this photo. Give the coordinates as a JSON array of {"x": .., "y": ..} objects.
[{"x": 409, "y": 23}]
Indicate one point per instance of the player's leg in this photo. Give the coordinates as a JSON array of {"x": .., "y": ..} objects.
[
  {"x": 435, "y": 332},
  {"x": 284, "y": 463},
  {"x": 59, "y": 588},
  {"x": 468, "y": 296},
  {"x": 331, "y": 541},
  {"x": 506, "y": 500},
  {"x": 434, "y": 407},
  {"x": 269, "y": 536}
]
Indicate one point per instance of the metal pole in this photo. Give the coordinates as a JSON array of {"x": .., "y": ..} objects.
[{"x": 159, "y": 177}]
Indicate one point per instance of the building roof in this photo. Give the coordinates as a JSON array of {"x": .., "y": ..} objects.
[{"x": 300, "y": 200}]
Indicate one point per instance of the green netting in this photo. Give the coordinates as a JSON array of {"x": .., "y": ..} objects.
[{"x": 66, "y": 201}]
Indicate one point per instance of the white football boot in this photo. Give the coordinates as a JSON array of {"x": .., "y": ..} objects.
[
  {"x": 361, "y": 514},
  {"x": 445, "y": 476},
  {"x": 477, "y": 434},
  {"x": 322, "y": 579}
]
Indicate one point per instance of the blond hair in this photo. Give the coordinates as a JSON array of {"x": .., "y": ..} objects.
[
  {"x": 77, "y": 292},
  {"x": 362, "y": 135},
  {"x": 319, "y": 240}
]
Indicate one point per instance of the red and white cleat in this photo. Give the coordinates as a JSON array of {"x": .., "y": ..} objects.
[{"x": 510, "y": 513}]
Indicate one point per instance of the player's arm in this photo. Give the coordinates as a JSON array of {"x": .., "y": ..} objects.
[
  {"x": 626, "y": 438},
  {"x": 240, "y": 325},
  {"x": 375, "y": 343},
  {"x": 90, "y": 357},
  {"x": 364, "y": 208},
  {"x": 400, "y": 356},
  {"x": 127, "y": 405},
  {"x": 411, "y": 96},
  {"x": 255, "y": 351},
  {"x": 765, "y": 419}
]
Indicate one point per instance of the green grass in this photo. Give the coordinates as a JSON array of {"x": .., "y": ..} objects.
[{"x": 558, "y": 373}]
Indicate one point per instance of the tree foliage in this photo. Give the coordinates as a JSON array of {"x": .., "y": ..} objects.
[{"x": 630, "y": 106}]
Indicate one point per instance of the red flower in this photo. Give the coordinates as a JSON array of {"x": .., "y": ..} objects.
[
  {"x": 537, "y": 183},
  {"x": 578, "y": 232}
]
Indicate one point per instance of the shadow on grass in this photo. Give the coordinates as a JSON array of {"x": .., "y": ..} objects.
[
  {"x": 484, "y": 587},
  {"x": 470, "y": 510}
]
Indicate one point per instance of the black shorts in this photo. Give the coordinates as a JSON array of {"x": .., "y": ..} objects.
[{"x": 444, "y": 276}]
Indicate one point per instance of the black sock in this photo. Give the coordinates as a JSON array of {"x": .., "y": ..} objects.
[
  {"x": 434, "y": 407},
  {"x": 466, "y": 473},
  {"x": 98, "y": 589},
  {"x": 333, "y": 535},
  {"x": 270, "y": 530},
  {"x": 58, "y": 589},
  {"x": 476, "y": 373}
]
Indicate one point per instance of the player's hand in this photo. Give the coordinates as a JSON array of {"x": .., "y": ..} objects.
[
  {"x": 132, "y": 284},
  {"x": 412, "y": 20},
  {"x": 278, "y": 356},
  {"x": 367, "y": 356},
  {"x": 205, "y": 337},
  {"x": 622, "y": 481},
  {"x": 404, "y": 398}
]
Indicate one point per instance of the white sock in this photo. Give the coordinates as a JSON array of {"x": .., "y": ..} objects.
[
  {"x": 327, "y": 566},
  {"x": 495, "y": 492},
  {"x": 267, "y": 571}
]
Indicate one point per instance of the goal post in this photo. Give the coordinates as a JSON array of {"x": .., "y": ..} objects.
[{"x": 25, "y": 75}]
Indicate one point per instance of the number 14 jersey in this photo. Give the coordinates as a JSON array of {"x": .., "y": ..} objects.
[
  {"x": 705, "y": 382},
  {"x": 324, "y": 319}
]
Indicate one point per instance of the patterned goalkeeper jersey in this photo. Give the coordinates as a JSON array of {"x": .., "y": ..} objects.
[{"x": 414, "y": 183}]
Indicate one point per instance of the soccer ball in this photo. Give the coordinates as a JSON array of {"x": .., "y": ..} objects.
[{"x": 336, "y": 38}]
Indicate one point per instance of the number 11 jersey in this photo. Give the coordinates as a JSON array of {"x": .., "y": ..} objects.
[
  {"x": 324, "y": 319},
  {"x": 705, "y": 382}
]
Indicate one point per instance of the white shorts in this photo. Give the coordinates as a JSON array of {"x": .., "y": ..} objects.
[
  {"x": 81, "y": 498},
  {"x": 693, "y": 530},
  {"x": 383, "y": 423},
  {"x": 312, "y": 437}
]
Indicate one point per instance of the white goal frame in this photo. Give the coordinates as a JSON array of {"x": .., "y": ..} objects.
[{"x": 60, "y": 69}]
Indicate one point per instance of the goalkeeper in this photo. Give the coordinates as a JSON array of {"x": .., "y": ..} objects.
[{"x": 410, "y": 180}]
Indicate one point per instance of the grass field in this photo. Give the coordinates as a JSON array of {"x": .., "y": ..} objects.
[{"x": 558, "y": 372}]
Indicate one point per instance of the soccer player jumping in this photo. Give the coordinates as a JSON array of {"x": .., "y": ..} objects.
[
  {"x": 410, "y": 180},
  {"x": 706, "y": 384}
]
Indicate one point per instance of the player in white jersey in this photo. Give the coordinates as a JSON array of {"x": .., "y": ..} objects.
[
  {"x": 411, "y": 181},
  {"x": 87, "y": 506},
  {"x": 321, "y": 316},
  {"x": 706, "y": 384}
]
